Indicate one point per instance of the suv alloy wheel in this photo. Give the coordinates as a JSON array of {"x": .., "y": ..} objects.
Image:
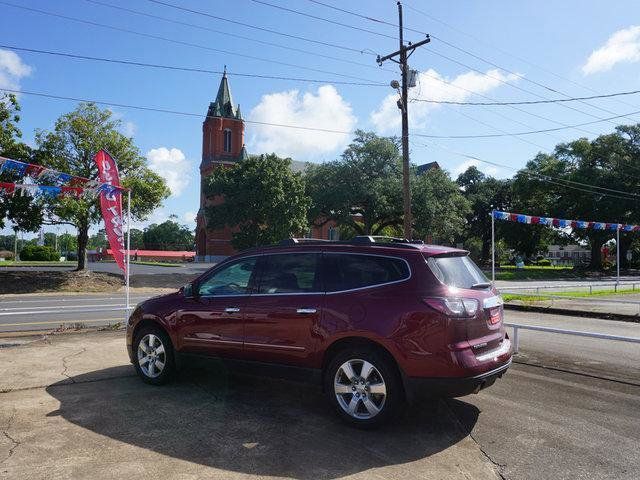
[
  {"x": 154, "y": 356},
  {"x": 363, "y": 386}
]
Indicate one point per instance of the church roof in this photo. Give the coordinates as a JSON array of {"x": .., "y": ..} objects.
[{"x": 223, "y": 105}]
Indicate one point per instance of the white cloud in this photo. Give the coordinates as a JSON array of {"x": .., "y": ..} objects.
[
  {"x": 129, "y": 129},
  {"x": 189, "y": 218},
  {"x": 487, "y": 170},
  {"x": 172, "y": 165},
  {"x": 323, "y": 109},
  {"x": 622, "y": 46},
  {"x": 12, "y": 69},
  {"x": 432, "y": 86}
]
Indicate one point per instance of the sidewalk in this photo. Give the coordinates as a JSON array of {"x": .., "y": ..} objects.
[
  {"x": 72, "y": 408},
  {"x": 623, "y": 305}
]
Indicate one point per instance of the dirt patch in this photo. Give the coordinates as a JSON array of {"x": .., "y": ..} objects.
[{"x": 12, "y": 282}]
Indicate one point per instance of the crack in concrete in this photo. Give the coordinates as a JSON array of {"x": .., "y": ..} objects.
[
  {"x": 498, "y": 466},
  {"x": 5, "y": 432},
  {"x": 66, "y": 367}
]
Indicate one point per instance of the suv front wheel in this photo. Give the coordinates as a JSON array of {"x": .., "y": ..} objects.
[
  {"x": 154, "y": 355},
  {"x": 363, "y": 387}
]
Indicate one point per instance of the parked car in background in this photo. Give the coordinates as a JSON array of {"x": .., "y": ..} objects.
[{"x": 374, "y": 321}]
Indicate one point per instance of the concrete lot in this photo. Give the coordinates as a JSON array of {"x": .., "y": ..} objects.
[{"x": 72, "y": 408}]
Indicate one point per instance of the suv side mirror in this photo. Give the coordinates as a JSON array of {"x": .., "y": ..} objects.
[{"x": 188, "y": 291}]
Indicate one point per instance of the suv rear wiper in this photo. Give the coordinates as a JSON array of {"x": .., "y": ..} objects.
[{"x": 481, "y": 285}]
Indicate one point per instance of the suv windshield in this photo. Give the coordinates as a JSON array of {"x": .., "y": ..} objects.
[{"x": 457, "y": 271}]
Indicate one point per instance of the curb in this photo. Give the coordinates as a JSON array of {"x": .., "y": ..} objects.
[{"x": 619, "y": 317}]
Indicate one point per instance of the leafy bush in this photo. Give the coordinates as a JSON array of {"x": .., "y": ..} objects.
[
  {"x": 545, "y": 262},
  {"x": 39, "y": 254}
]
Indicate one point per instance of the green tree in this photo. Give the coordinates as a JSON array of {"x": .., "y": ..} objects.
[
  {"x": 168, "y": 235},
  {"x": 484, "y": 194},
  {"x": 608, "y": 161},
  {"x": 439, "y": 208},
  {"x": 262, "y": 196},
  {"x": 363, "y": 190},
  {"x": 23, "y": 211},
  {"x": 71, "y": 148}
]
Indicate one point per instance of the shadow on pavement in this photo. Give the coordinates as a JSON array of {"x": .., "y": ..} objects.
[{"x": 252, "y": 425}]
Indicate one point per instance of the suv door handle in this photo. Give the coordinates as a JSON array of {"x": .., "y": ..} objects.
[
  {"x": 232, "y": 310},
  {"x": 306, "y": 310}
]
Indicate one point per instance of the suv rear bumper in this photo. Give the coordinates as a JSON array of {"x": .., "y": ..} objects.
[{"x": 452, "y": 386}]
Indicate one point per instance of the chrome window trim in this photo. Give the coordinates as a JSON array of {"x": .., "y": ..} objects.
[
  {"x": 377, "y": 284},
  {"x": 319, "y": 252}
]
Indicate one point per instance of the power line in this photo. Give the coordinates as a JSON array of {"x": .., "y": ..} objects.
[
  {"x": 234, "y": 35},
  {"x": 455, "y": 61},
  {"x": 297, "y": 127},
  {"x": 256, "y": 27},
  {"x": 529, "y": 132},
  {"x": 517, "y": 87},
  {"x": 546, "y": 87},
  {"x": 539, "y": 84},
  {"x": 546, "y": 178},
  {"x": 163, "y": 110},
  {"x": 178, "y": 42},
  {"x": 185, "y": 69},
  {"x": 322, "y": 19},
  {"x": 530, "y": 102},
  {"x": 497, "y": 48}
]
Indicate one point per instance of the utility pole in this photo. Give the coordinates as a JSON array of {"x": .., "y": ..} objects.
[{"x": 404, "y": 53}]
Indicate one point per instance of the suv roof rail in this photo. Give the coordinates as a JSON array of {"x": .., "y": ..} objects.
[
  {"x": 370, "y": 240},
  {"x": 383, "y": 239},
  {"x": 301, "y": 241}
]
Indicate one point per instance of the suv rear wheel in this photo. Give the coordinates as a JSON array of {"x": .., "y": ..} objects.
[
  {"x": 363, "y": 387},
  {"x": 154, "y": 355}
]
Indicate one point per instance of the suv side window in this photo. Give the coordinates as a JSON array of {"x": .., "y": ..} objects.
[
  {"x": 230, "y": 280},
  {"x": 290, "y": 273},
  {"x": 346, "y": 271}
]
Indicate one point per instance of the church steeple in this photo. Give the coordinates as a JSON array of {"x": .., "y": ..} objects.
[
  {"x": 223, "y": 105},
  {"x": 222, "y": 147}
]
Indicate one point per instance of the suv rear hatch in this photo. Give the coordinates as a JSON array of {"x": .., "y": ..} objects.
[{"x": 466, "y": 285}]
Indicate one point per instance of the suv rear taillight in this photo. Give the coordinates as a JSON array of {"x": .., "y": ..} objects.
[{"x": 454, "y": 306}]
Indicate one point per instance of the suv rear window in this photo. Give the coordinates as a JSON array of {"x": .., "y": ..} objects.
[
  {"x": 348, "y": 271},
  {"x": 456, "y": 271}
]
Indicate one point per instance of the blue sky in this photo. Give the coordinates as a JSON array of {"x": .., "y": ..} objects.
[{"x": 573, "y": 47}]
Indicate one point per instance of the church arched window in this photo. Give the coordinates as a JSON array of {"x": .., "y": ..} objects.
[{"x": 227, "y": 140}]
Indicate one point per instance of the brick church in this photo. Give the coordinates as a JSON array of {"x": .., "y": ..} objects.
[{"x": 222, "y": 147}]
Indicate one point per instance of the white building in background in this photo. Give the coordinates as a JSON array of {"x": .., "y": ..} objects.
[{"x": 565, "y": 254}]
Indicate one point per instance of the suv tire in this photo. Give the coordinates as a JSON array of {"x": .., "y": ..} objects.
[
  {"x": 154, "y": 358},
  {"x": 363, "y": 386}
]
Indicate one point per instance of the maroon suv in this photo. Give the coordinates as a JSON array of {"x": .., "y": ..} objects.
[{"x": 374, "y": 322}]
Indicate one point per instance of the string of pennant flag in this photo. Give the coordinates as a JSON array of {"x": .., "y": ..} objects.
[
  {"x": 64, "y": 184},
  {"x": 562, "y": 223}
]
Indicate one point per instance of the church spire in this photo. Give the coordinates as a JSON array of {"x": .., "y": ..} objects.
[{"x": 223, "y": 105}]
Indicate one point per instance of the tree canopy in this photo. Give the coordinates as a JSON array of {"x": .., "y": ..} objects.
[
  {"x": 71, "y": 148},
  {"x": 362, "y": 190},
  {"x": 168, "y": 235},
  {"x": 262, "y": 197},
  {"x": 24, "y": 212}
]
